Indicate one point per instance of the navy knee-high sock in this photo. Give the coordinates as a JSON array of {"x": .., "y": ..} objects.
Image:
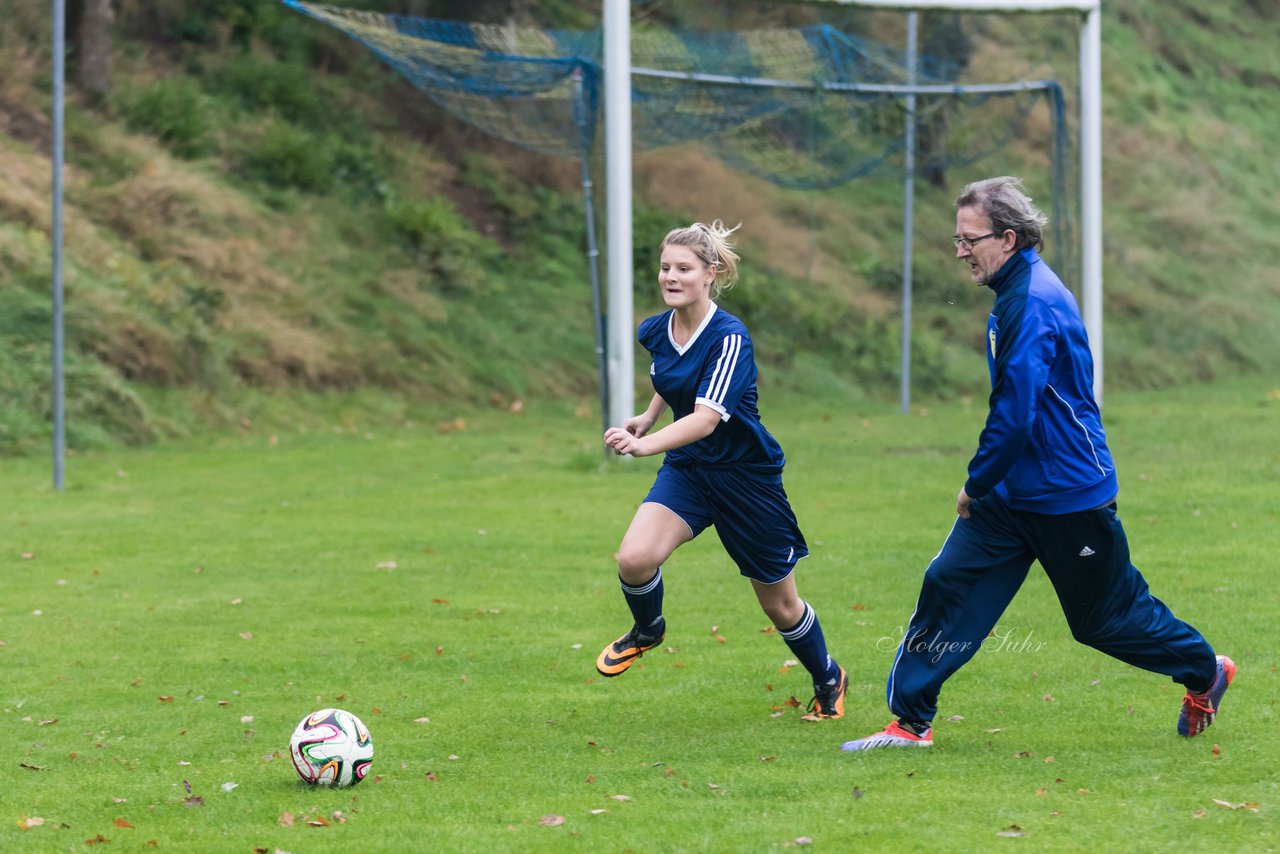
[
  {"x": 806, "y": 640},
  {"x": 645, "y": 601}
]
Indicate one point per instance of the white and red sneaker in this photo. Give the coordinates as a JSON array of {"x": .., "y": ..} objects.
[{"x": 894, "y": 735}]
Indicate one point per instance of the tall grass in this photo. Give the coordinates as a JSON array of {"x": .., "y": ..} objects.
[{"x": 261, "y": 205}]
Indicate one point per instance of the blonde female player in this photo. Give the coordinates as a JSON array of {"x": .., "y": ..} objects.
[{"x": 722, "y": 468}]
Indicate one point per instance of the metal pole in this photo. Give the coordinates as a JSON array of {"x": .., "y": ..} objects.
[
  {"x": 59, "y": 79},
  {"x": 617, "y": 114},
  {"x": 908, "y": 217},
  {"x": 1091, "y": 186}
]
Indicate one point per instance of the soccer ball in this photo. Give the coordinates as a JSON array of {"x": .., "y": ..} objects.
[{"x": 331, "y": 747}]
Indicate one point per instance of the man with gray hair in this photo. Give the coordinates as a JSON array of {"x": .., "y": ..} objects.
[{"x": 1041, "y": 486}]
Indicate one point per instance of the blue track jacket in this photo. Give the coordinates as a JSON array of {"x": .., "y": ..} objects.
[{"x": 1042, "y": 449}]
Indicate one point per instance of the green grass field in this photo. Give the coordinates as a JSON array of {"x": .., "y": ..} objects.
[{"x": 169, "y": 618}]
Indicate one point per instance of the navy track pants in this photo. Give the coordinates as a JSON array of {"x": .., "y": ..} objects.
[{"x": 983, "y": 563}]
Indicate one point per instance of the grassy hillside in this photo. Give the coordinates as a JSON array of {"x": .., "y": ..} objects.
[{"x": 258, "y": 206}]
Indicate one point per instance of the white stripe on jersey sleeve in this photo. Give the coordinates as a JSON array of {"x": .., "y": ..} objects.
[{"x": 723, "y": 374}]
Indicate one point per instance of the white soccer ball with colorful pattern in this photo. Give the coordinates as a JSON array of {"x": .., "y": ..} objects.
[{"x": 331, "y": 747}]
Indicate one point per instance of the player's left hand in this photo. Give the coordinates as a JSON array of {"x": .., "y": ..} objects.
[{"x": 963, "y": 503}]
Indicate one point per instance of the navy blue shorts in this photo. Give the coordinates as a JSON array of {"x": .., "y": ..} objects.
[{"x": 750, "y": 512}]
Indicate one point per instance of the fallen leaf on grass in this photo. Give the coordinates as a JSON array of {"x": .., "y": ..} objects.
[
  {"x": 422, "y": 720},
  {"x": 31, "y": 767},
  {"x": 165, "y": 699},
  {"x": 801, "y": 840},
  {"x": 120, "y": 822},
  {"x": 551, "y": 821},
  {"x": 1217, "y": 751},
  {"x": 193, "y": 801},
  {"x": 229, "y": 787},
  {"x": 1230, "y": 806},
  {"x": 25, "y": 823},
  {"x": 285, "y": 819},
  {"x": 247, "y": 635},
  {"x": 1011, "y": 831},
  {"x": 1200, "y": 813},
  {"x": 318, "y": 821},
  {"x": 1041, "y": 792},
  {"x": 96, "y": 840},
  {"x": 768, "y": 758},
  {"x": 955, "y": 719},
  {"x": 598, "y": 812}
]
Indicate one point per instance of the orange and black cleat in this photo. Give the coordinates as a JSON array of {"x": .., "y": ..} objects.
[
  {"x": 828, "y": 700},
  {"x": 617, "y": 656}
]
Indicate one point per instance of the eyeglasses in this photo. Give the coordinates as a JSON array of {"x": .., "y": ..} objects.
[{"x": 967, "y": 242}]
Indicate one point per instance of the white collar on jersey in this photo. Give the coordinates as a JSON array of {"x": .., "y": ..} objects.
[{"x": 671, "y": 319}]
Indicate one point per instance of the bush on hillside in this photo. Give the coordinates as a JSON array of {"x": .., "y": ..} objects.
[
  {"x": 175, "y": 111},
  {"x": 444, "y": 243}
]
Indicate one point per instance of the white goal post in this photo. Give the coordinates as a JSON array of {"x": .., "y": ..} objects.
[{"x": 617, "y": 107}]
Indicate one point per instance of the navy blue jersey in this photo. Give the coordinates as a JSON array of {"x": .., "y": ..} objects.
[{"x": 716, "y": 368}]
